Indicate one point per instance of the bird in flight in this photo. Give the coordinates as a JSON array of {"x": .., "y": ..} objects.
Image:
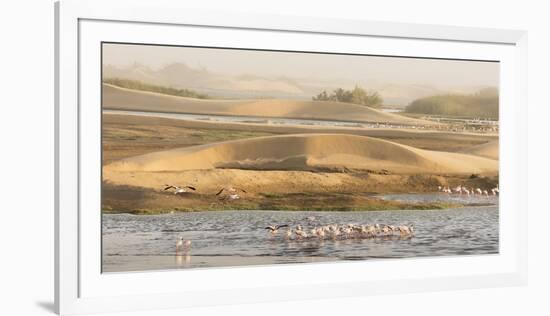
[
  {"x": 275, "y": 228},
  {"x": 231, "y": 193},
  {"x": 230, "y": 190},
  {"x": 179, "y": 190}
]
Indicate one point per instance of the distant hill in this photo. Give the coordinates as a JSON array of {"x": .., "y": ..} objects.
[
  {"x": 181, "y": 76},
  {"x": 251, "y": 86},
  {"x": 482, "y": 104}
]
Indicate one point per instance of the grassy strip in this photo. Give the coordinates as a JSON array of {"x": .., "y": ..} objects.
[
  {"x": 377, "y": 205},
  {"x": 138, "y": 85}
]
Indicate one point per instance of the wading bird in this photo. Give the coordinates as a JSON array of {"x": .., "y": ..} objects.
[
  {"x": 183, "y": 245},
  {"x": 300, "y": 233},
  {"x": 288, "y": 233},
  {"x": 405, "y": 230},
  {"x": 458, "y": 189},
  {"x": 179, "y": 190}
]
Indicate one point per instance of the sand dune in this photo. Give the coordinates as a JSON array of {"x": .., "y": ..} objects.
[
  {"x": 487, "y": 150},
  {"x": 116, "y": 98},
  {"x": 308, "y": 152}
]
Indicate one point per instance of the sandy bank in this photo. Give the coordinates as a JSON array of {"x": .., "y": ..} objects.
[
  {"x": 117, "y": 98},
  {"x": 487, "y": 150},
  {"x": 312, "y": 152}
]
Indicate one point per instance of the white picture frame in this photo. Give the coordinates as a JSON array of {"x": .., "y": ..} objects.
[{"x": 81, "y": 288}]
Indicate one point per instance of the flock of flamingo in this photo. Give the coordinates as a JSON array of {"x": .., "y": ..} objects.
[
  {"x": 333, "y": 232},
  {"x": 231, "y": 192},
  {"x": 468, "y": 191},
  {"x": 347, "y": 231}
]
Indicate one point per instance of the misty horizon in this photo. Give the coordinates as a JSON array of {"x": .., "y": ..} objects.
[{"x": 251, "y": 73}]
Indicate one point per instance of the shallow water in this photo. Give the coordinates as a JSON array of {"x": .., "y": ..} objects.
[
  {"x": 232, "y": 238},
  {"x": 473, "y": 199},
  {"x": 252, "y": 119}
]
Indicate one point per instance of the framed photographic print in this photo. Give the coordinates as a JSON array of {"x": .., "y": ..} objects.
[{"x": 198, "y": 152}]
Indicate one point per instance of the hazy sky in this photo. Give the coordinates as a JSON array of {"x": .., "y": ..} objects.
[{"x": 309, "y": 65}]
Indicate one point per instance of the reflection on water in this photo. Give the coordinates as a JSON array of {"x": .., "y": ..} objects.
[
  {"x": 183, "y": 261},
  {"x": 231, "y": 238}
]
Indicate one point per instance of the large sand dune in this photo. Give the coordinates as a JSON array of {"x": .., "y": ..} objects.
[
  {"x": 308, "y": 152},
  {"x": 488, "y": 150},
  {"x": 117, "y": 98}
]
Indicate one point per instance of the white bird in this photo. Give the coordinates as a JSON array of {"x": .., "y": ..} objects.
[
  {"x": 485, "y": 193},
  {"x": 478, "y": 190},
  {"x": 232, "y": 197},
  {"x": 335, "y": 233},
  {"x": 288, "y": 234},
  {"x": 458, "y": 189},
  {"x": 300, "y": 233},
  {"x": 386, "y": 230},
  {"x": 321, "y": 233},
  {"x": 179, "y": 190},
  {"x": 182, "y": 244},
  {"x": 371, "y": 230},
  {"x": 406, "y": 230},
  {"x": 232, "y": 193}
]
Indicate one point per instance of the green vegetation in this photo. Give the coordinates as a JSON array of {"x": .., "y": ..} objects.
[
  {"x": 287, "y": 202},
  {"x": 483, "y": 104},
  {"x": 138, "y": 85},
  {"x": 357, "y": 96}
]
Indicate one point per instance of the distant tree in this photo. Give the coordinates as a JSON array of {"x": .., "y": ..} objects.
[
  {"x": 323, "y": 96},
  {"x": 364, "y": 97},
  {"x": 357, "y": 96},
  {"x": 483, "y": 104},
  {"x": 374, "y": 100}
]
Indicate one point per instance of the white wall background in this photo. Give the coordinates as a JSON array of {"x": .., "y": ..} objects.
[{"x": 26, "y": 156}]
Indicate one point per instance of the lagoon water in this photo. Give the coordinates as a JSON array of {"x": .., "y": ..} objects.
[
  {"x": 252, "y": 119},
  {"x": 236, "y": 238}
]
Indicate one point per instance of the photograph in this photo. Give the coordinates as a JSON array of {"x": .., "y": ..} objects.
[{"x": 225, "y": 157}]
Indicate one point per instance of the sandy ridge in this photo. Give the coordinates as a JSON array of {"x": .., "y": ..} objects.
[
  {"x": 117, "y": 98},
  {"x": 488, "y": 150},
  {"x": 308, "y": 152}
]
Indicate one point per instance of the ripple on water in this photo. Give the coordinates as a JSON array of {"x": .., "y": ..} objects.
[{"x": 240, "y": 234}]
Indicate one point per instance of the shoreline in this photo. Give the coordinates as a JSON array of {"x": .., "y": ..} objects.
[
  {"x": 370, "y": 203},
  {"x": 451, "y": 207},
  {"x": 280, "y": 168},
  {"x": 304, "y": 127}
]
